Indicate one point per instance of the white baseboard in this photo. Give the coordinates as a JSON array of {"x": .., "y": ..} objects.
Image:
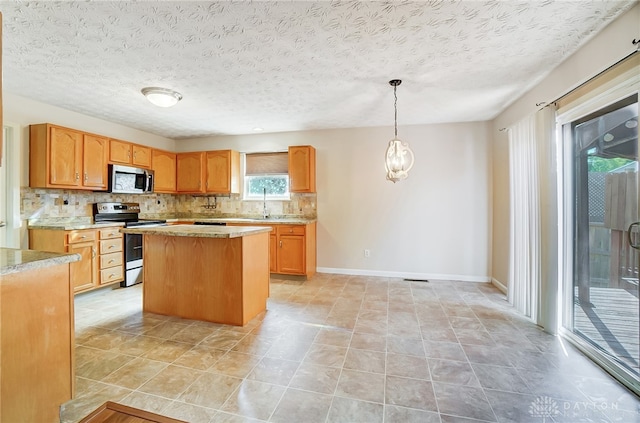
[
  {"x": 405, "y": 275},
  {"x": 499, "y": 285}
]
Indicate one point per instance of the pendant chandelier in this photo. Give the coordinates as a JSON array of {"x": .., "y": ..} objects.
[{"x": 398, "y": 159}]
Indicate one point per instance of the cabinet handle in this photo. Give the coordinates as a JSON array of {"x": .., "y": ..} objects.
[
  {"x": 110, "y": 261},
  {"x": 110, "y": 247},
  {"x": 280, "y": 244},
  {"x": 86, "y": 177},
  {"x": 93, "y": 253},
  {"x": 128, "y": 154},
  {"x": 77, "y": 175},
  {"x": 83, "y": 237},
  {"x": 290, "y": 230},
  {"x": 111, "y": 275}
]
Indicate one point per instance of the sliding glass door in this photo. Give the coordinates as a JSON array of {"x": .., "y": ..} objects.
[{"x": 602, "y": 306}]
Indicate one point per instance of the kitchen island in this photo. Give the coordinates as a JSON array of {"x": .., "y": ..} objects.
[
  {"x": 213, "y": 273},
  {"x": 37, "y": 334}
]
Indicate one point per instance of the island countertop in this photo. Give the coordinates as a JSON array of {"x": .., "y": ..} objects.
[
  {"x": 15, "y": 260},
  {"x": 247, "y": 220},
  {"x": 198, "y": 231}
]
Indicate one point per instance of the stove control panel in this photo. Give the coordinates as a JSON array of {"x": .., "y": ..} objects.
[{"x": 117, "y": 208}]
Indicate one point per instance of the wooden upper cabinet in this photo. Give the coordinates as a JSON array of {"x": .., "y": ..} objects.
[
  {"x": 94, "y": 161},
  {"x": 65, "y": 152},
  {"x": 163, "y": 164},
  {"x": 119, "y": 152},
  {"x": 55, "y": 156},
  {"x": 126, "y": 153},
  {"x": 190, "y": 169},
  {"x": 141, "y": 156},
  {"x": 302, "y": 168},
  {"x": 223, "y": 172},
  {"x": 65, "y": 158}
]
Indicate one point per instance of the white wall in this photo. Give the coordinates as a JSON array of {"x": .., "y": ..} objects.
[
  {"x": 436, "y": 224},
  {"x": 609, "y": 46}
]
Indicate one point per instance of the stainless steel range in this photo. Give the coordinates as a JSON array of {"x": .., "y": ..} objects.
[{"x": 127, "y": 213}]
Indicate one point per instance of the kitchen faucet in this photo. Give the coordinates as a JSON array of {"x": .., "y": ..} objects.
[{"x": 265, "y": 212}]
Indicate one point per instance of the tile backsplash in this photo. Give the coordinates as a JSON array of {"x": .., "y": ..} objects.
[{"x": 67, "y": 205}]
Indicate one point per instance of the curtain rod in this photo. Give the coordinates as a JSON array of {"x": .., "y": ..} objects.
[
  {"x": 634, "y": 42},
  {"x": 544, "y": 103}
]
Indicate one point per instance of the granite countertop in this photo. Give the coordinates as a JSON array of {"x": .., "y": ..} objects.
[
  {"x": 268, "y": 221},
  {"x": 14, "y": 261},
  {"x": 71, "y": 226},
  {"x": 198, "y": 231}
]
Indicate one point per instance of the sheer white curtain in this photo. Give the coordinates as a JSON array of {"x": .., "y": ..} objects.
[
  {"x": 524, "y": 252},
  {"x": 546, "y": 139},
  {"x": 533, "y": 218}
]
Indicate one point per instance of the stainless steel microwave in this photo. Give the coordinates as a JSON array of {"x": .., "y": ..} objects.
[{"x": 130, "y": 180}]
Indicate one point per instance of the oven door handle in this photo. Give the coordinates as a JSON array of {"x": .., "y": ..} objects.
[{"x": 138, "y": 247}]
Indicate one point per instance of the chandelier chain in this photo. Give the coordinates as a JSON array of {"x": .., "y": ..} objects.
[{"x": 395, "y": 107}]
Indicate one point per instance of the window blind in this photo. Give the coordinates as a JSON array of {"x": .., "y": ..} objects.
[{"x": 266, "y": 163}]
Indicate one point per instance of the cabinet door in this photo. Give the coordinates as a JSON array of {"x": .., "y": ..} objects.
[
  {"x": 190, "y": 172},
  {"x": 273, "y": 253},
  {"x": 291, "y": 254},
  {"x": 302, "y": 169},
  {"x": 223, "y": 172},
  {"x": 65, "y": 156},
  {"x": 83, "y": 271},
  {"x": 163, "y": 164},
  {"x": 119, "y": 152},
  {"x": 141, "y": 156},
  {"x": 94, "y": 162}
]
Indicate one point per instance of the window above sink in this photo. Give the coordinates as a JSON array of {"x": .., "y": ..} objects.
[{"x": 266, "y": 176}]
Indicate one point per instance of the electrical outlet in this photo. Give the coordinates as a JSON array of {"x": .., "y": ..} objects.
[{"x": 367, "y": 253}]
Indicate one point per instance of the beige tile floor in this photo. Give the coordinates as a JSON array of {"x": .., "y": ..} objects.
[{"x": 340, "y": 349}]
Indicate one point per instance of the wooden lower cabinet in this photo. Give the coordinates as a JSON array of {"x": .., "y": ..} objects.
[
  {"x": 273, "y": 251},
  {"x": 292, "y": 248},
  {"x": 101, "y": 252},
  {"x": 37, "y": 344},
  {"x": 111, "y": 256},
  {"x": 83, "y": 271},
  {"x": 221, "y": 280},
  {"x": 291, "y": 254}
]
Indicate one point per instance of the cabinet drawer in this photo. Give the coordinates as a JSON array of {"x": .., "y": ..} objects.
[
  {"x": 113, "y": 274},
  {"x": 110, "y": 260},
  {"x": 110, "y": 233},
  {"x": 291, "y": 230},
  {"x": 110, "y": 245},
  {"x": 80, "y": 236}
]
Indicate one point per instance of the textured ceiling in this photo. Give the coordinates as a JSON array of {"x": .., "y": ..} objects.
[{"x": 286, "y": 66}]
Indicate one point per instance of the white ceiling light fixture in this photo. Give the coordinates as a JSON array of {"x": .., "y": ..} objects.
[
  {"x": 161, "y": 97},
  {"x": 398, "y": 159}
]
